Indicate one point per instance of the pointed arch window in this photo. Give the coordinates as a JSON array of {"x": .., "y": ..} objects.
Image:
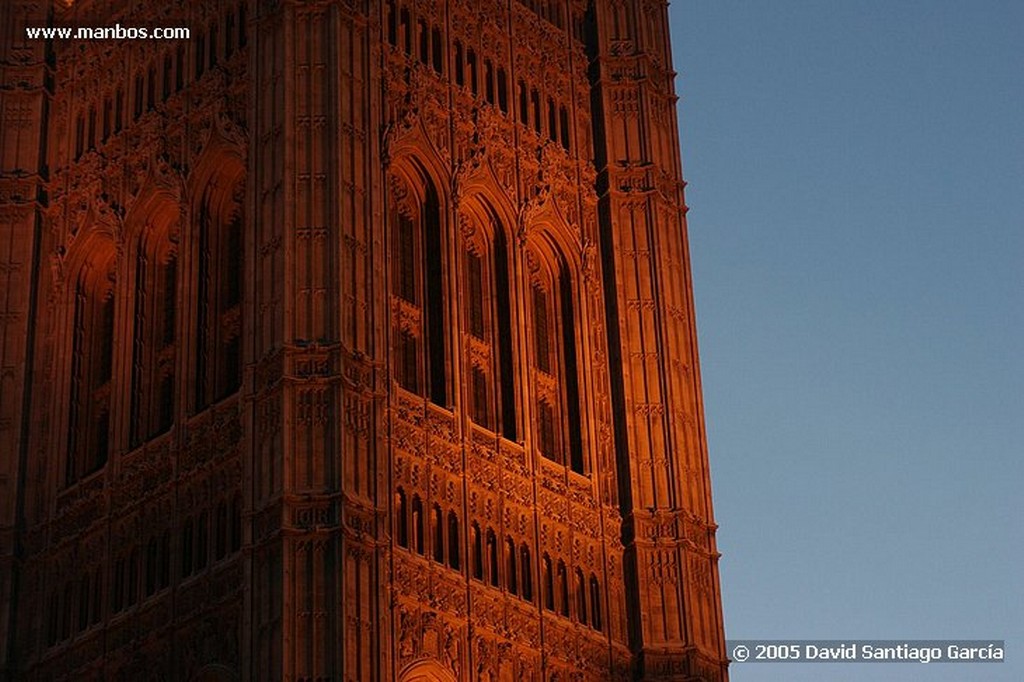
[
  {"x": 581, "y": 597},
  {"x": 437, "y": 525},
  {"x": 557, "y": 399},
  {"x": 525, "y": 573},
  {"x": 417, "y": 524},
  {"x": 218, "y": 359},
  {"x": 402, "y": 519},
  {"x": 490, "y": 370},
  {"x": 595, "y": 602},
  {"x": 153, "y": 341},
  {"x": 454, "y": 553},
  {"x": 492, "y": 558},
  {"x": 548, "y": 583},
  {"x": 511, "y": 561},
  {"x": 563, "y": 589},
  {"x": 92, "y": 363},
  {"x": 477, "y": 559},
  {"x": 418, "y": 284}
]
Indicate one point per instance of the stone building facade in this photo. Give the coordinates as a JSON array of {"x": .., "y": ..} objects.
[{"x": 349, "y": 340}]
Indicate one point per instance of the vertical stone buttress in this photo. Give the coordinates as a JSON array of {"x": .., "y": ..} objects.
[
  {"x": 316, "y": 604},
  {"x": 669, "y": 529},
  {"x": 24, "y": 100}
]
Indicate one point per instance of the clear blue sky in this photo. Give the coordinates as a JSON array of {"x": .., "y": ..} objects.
[{"x": 856, "y": 192}]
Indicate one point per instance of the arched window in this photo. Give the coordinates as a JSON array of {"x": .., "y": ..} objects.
[
  {"x": 548, "y": 583},
  {"x": 595, "y": 602},
  {"x": 108, "y": 117},
  {"x": 167, "y": 80},
  {"x": 229, "y": 35},
  {"x": 502, "y": 85},
  {"x": 154, "y": 334},
  {"x": 525, "y": 573},
  {"x": 563, "y": 126},
  {"x": 392, "y": 23},
  {"x": 524, "y": 104},
  {"x": 471, "y": 66},
  {"x": 478, "y": 552},
  {"x": 492, "y": 558},
  {"x": 243, "y": 27},
  {"x": 460, "y": 72},
  {"x": 563, "y": 589},
  {"x": 437, "y": 50},
  {"x": 559, "y": 437},
  {"x": 417, "y": 281},
  {"x": 489, "y": 82},
  {"x": 417, "y": 524},
  {"x": 402, "y": 519},
  {"x": 92, "y": 362},
  {"x": 454, "y": 552},
  {"x": 535, "y": 103},
  {"x": 424, "y": 40},
  {"x": 437, "y": 524},
  {"x": 212, "y": 48},
  {"x": 179, "y": 68},
  {"x": 92, "y": 128},
  {"x": 490, "y": 371},
  {"x": 581, "y": 597},
  {"x": 150, "y": 88},
  {"x": 118, "y": 110},
  {"x": 552, "y": 124},
  {"x": 219, "y": 295},
  {"x": 406, "y": 25},
  {"x": 510, "y": 566}
]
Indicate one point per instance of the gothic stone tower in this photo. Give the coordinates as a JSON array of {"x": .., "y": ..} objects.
[{"x": 349, "y": 340}]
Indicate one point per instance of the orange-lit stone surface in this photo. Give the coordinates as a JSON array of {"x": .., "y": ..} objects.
[{"x": 349, "y": 340}]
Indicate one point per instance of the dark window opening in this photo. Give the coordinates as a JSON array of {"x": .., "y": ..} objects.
[
  {"x": 471, "y": 65},
  {"x": 489, "y": 82},
  {"x": 168, "y": 78},
  {"x": 563, "y": 116},
  {"x": 437, "y": 47},
  {"x": 563, "y": 589},
  {"x": 548, "y": 584},
  {"x": 510, "y": 566},
  {"x": 504, "y": 328},
  {"x": 437, "y": 524},
  {"x": 417, "y": 523},
  {"x": 454, "y": 558},
  {"x": 525, "y": 573},
  {"x": 480, "y": 402},
  {"x": 402, "y": 525},
  {"x": 572, "y": 391},
  {"x": 424, "y": 37},
  {"x": 478, "y": 552},
  {"x": 435, "y": 300},
  {"x": 502, "y": 90},
  {"x": 460, "y": 74},
  {"x": 475, "y": 275},
  {"x": 406, "y": 370}
]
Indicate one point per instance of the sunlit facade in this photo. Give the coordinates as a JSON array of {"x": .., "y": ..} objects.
[{"x": 350, "y": 340}]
